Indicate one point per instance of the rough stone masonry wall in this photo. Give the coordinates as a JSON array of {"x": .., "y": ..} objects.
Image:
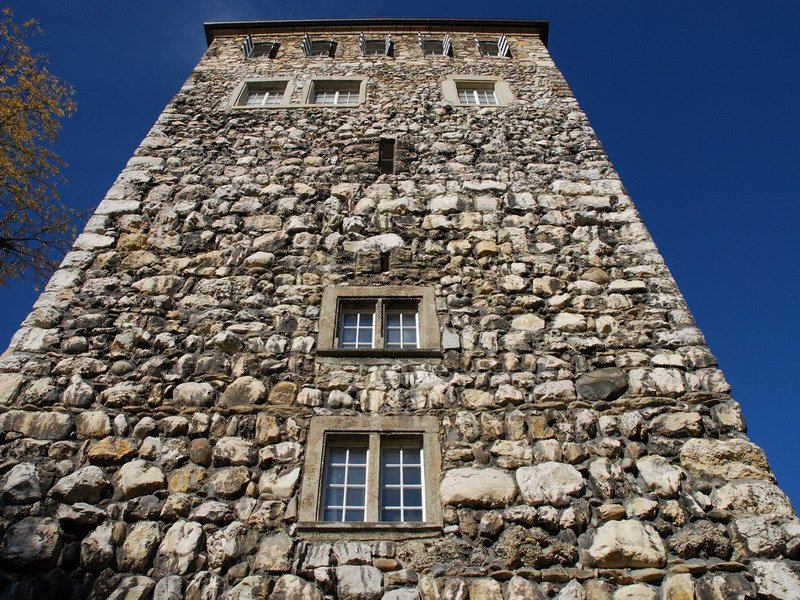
[{"x": 156, "y": 401}]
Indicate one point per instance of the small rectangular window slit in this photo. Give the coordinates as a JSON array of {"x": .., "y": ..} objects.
[
  {"x": 386, "y": 157},
  {"x": 384, "y": 262}
]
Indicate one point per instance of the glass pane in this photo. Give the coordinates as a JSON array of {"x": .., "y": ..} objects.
[
  {"x": 336, "y": 454},
  {"x": 357, "y": 475},
  {"x": 391, "y": 456},
  {"x": 390, "y": 515},
  {"x": 411, "y": 476},
  {"x": 489, "y": 48},
  {"x": 365, "y": 336},
  {"x": 336, "y": 475},
  {"x": 358, "y": 456},
  {"x": 411, "y": 456},
  {"x": 393, "y": 320},
  {"x": 332, "y": 514},
  {"x": 413, "y": 515},
  {"x": 355, "y": 497},
  {"x": 334, "y": 496},
  {"x": 366, "y": 319},
  {"x": 391, "y": 497},
  {"x": 354, "y": 514},
  {"x": 391, "y": 475},
  {"x": 412, "y": 497},
  {"x": 409, "y": 336},
  {"x": 392, "y": 336},
  {"x": 348, "y": 336},
  {"x": 350, "y": 319}
]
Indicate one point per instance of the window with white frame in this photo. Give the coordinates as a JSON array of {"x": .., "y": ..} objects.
[
  {"x": 476, "y": 90},
  {"x": 349, "y": 483},
  {"x": 337, "y": 93},
  {"x": 264, "y": 94},
  {"x": 344, "y": 488},
  {"x": 480, "y": 94},
  {"x": 371, "y": 471},
  {"x": 401, "y": 480},
  {"x": 379, "y": 321}
]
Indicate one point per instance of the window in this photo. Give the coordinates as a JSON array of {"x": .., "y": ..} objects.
[
  {"x": 435, "y": 47},
  {"x": 318, "y": 47},
  {"x": 336, "y": 92},
  {"x": 346, "y": 478},
  {"x": 476, "y": 90},
  {"x": 371, "y": 472},
  {"x": 476, "y": 93},
  {"x": 369, "y": 47},
  {"x": 377, "y": 321},
  {"x": 490, "y": 48},
  {"x": 386, "y": 157},
  {"x": 263, "y": 93},
  {"x": 252, "y": 49}
]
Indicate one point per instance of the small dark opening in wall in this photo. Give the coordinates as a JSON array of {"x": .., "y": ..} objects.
[
  {"x": 384, "y": 262},
  {"x": 386, "y": 157}
]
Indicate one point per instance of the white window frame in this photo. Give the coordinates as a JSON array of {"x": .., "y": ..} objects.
[
  {"x": 346, "y": 486},
  {"x": 401, "y": 312},
  {"x": 356, "y": 85},
  {"x": 452, "y": 83},
  {"x": 359, "y": 312},
  {"x": 239, "y": 97},
  {"x": 404, "y": 446},
  {"x": 380, "y": 431},
  {"x": 472, "y": 93}
]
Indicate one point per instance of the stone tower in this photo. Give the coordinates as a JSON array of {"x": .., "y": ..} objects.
[{"x": 370, "y": 315}]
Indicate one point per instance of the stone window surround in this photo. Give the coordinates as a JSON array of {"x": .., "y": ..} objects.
[
  {"x": 502, "y": 90},
  {"x": 429, "y": 340},
  {"x": 383, "y": 426},
  {"x": 239, "y": 95}
]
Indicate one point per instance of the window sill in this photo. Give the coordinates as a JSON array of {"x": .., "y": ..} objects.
[
  {"x": 380, "y": 530},
  {"x": 380, "y": 353},
  {"x": 278, "y": 106}
]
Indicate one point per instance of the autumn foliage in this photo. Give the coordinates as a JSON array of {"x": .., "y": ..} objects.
[{"x": 35, "y": 228}]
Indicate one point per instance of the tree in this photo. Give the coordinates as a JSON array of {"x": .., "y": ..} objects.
[{"x": 35, "y": 228}]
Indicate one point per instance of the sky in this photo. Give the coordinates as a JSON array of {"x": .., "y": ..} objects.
[{"x": 695, "y": 103}]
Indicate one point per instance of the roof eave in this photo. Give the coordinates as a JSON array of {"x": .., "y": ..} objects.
[{"x": 215, "y": 28}]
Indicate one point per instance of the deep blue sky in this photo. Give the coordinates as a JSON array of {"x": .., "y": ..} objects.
[{"x": 696, "y": 104}]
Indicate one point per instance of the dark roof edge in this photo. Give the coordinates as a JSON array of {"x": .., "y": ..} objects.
[{"x": 213, "y": 28}]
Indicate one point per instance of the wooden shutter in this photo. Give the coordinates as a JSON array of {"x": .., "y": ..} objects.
[
  {"x": 502, "y": 46},
  {"x": 388, "y": 44},
  {"x": 247, "y": 46},
  {"x": 306, "y": 45},
  {"x": 362, "y": 41},
  {"x": 446, "y": 45}
]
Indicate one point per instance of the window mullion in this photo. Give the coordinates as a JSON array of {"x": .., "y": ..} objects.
[
  {"x": 373, "y": 478},
  {"x": 380, "y": 324}
]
